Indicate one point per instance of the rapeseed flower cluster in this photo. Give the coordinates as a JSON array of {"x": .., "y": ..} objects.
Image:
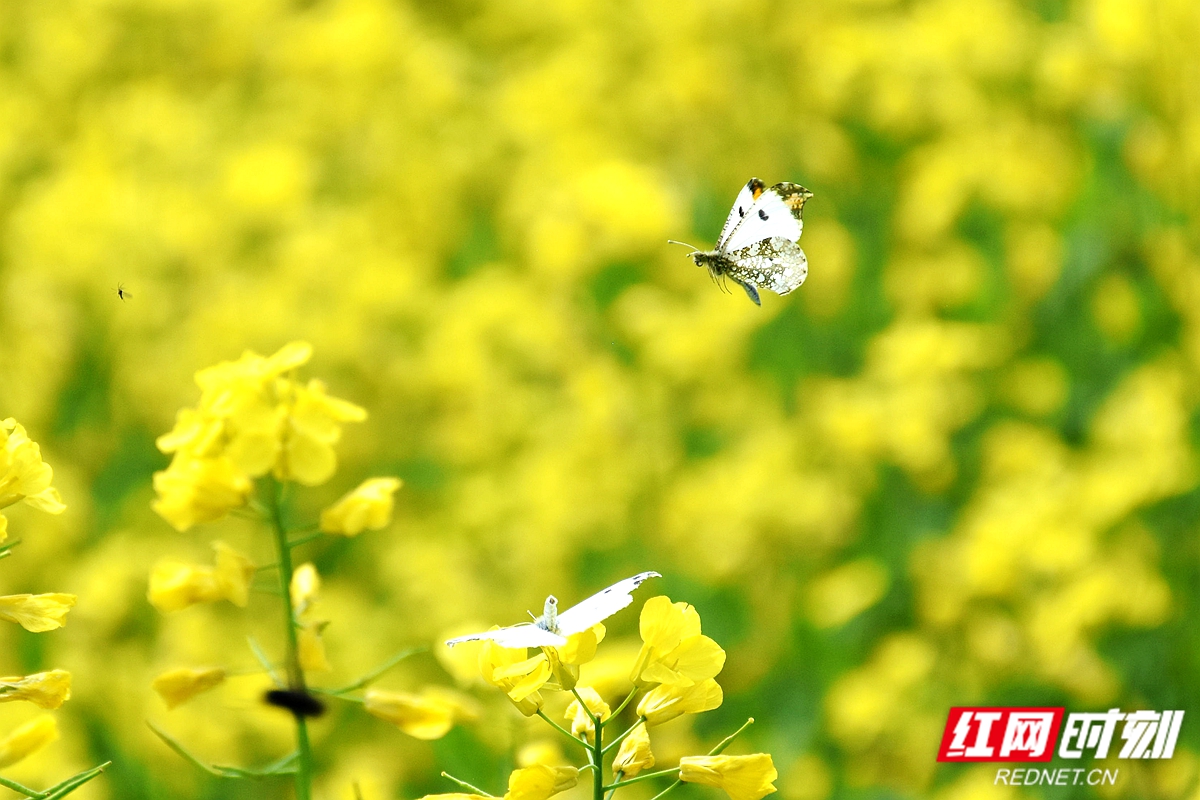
[
  {"x": 256, "y": 431},
  {"x": 24, "y": 476},
  {"x": 675, "y": 672}
]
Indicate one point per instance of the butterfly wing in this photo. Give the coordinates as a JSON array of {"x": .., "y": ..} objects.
[
  {"x": 741, "y": 206},
  {"x": 775, "y": 214},
  {"x": 515, "y": 636},
  {"x": 601, "y": 605},
  {"x": 777, "y": 264}
]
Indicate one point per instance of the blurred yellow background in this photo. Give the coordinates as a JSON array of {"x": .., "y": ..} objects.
[{"x": 956, "y": 467}]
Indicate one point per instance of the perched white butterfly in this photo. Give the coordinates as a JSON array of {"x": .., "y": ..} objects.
[
  {"x": 552, "y": 628},
  {"x": 758, "y": 248}
]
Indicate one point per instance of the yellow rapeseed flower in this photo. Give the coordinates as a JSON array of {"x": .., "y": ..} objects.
[
  {"x": 519, "y": 677},
  {"x": 311, "y": 429},
  {"x": 23, "y": 474},
  {"x": 180, "y": 685},
  {"x": 194, "y": 490},
  {"x": 742, "y": 777},
  {"x": 252, "y": 419},
  {"x": 37, "y": 613},
  {"x": 565, "y": 661},
  {"x": 634, "y": 754},
  {"x": 581, "y": 721},
  {"x": 368, "y": 507},
  {"x": 44, "y": 689},
  {"x": 175, "y": 585},
  {"x": 429, "y": 715},
  {"x": 673, "y": 649},
  {"x": 304, "y": 589},
  {"x": 667, "y": 701},
  {"x": 539, "y": 782},
  {"x": 27, "y": 739}
]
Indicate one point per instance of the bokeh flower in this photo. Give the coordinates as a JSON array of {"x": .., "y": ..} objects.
[
  {"x": 428, "y": 715},
  {"x": 742, "y": 777},
  {"x": 305, "y": 591},
  {"x": 252, "y": 418},
  {"x": 367, "y": 507},
  {"x": 177, "y": 686},
  {"x": 175, "y": 585},
  {"x": 27, "y": 739}
]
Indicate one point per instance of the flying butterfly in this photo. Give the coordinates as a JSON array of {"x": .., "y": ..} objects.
[
  {"x": 758, "y": 248},
  {"x": 552, "y": 628}
]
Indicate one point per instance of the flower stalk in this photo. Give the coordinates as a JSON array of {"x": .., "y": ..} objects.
[{"x": 304, "y": 761}]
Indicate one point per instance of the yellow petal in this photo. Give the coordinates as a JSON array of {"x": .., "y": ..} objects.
[
  {"x": 420, "y": 717},
  {"x": 742, "y": 777},
  {"x": 311, "y": 649},
  {"x": 306, "y": 585},
  {"x": 634, "y": 754},
  {"x": 180, "y": 685},
  {"x": 368, "y": 507},
  {"x": 193, "y": 490},
  {"x": 28, "y": 739},
  {"x": 288, "y": 357},
  {"x": 44, "y": 689},
  {"x": 37, "y": 613},
  {"x": 581, "y": 722},
  {"x": 175, "y": 586},
  {"x": 667, "y": 701},
  {"x": 540, "y": 782},
  {"x": 234, "y": 573}
]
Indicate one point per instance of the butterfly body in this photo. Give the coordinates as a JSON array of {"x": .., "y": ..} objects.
[
  {"x": 758, "y": 245},
  {"x": 552, "y": 628}
]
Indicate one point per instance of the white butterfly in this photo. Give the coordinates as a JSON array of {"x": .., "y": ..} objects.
[
  {"x": 758, "y": 245},
  {"x": 552, "y": 628}
]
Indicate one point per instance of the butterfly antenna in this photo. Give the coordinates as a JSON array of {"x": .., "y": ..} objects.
[{"x": 685, "y": 244}]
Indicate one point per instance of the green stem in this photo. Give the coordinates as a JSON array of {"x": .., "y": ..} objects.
[
  {"x": 728, "y": 740},
  {"x": 597, "y": 748},
  {"x": 19, "y": 789},
  {"x": 616, "y": 780},
  {"x": 645, "y": 776},
  {"x": 466, "y": 785},
  {"x": 378, "y": 671},
  {"x": 621, "y": 707},
  {"x": 304, "y": 765},
  {"x": 621, "y": 738},
  {"x": 304, "y": 539},
  {"x": 561, "y": 729},
  {"x": 678, "y": 782}
]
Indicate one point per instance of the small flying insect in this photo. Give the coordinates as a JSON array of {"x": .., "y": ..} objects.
[
  {"x": 123, "y": 293},
  {"x": 297, "y": 701},
  {"x": 758, "y": 246}
]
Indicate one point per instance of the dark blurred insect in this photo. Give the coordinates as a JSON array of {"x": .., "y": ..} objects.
[
  {"x": 122, "y": 292},
  {"x": 758, "y": 248},
  {"x": 297, "y": 701}
]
